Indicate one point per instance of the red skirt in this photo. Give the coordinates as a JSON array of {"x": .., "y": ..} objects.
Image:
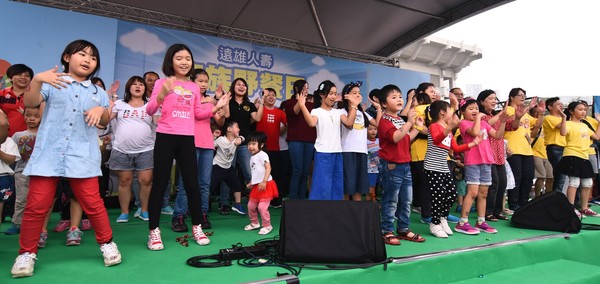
[{"x": 268, "y": 193}]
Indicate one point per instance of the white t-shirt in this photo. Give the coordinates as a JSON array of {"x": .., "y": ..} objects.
[
  {"x": 9, "y": 147},
  {"x": 353, "y": 140},
  {"x": 328, "y": 130},
  {"x": 225, "y": 152},
  {"x": 257, "y": 167},
  {"x": 134, "y": 130}
]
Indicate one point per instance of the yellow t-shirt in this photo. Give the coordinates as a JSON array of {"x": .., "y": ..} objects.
[
  {"x": 539, "y": 149},
  {"x": 551, "y": 127},
  {"x": 578, "y": 140},
  {"x": 517, "y": 139},
  {"x": 594, "y": 123},
  {"x": 418, "y": 148}
]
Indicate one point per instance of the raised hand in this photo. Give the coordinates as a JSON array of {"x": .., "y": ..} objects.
[
  {"x": 219, "y": 91},
  {"x": 54, "y": 78},
  {"x": 503, "y": 115},
  {"x": 455, "y": 121},
  {"x": 301, "y": 98},
  {"x": 224, "y": 100},
  {"x": 477, "y": 139},
  {"x": 114, "y": 87}
]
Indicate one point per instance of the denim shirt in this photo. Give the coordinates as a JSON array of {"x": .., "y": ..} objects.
[{"x": 66, "y": 146}]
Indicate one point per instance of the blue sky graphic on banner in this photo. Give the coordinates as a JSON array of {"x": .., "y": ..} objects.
[
  {"x": 129, "y": 49},
  {"x": 141, "y": 48}
]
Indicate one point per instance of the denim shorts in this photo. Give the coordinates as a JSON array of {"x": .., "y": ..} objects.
[
  {"x": 128, "y": 162},
  {"x": 478, "y": 174}
]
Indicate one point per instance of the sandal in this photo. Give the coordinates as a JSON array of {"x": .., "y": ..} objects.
[
  {"x": 491, "y": 218},
  {"x": 390, "y": 239},
  {"x": 499, "y": 216},
  {"x": 415, "y": 237}
]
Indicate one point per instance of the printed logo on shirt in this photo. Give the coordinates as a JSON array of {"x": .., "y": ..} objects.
[
  {"x": 246, "y": 108},
  {"x": 25, "y": 145},
  {"x": 184, "y": 102},
  {"x": 359, "y": 122},
  {"x": 447, "y": 141},
  {"x": 270, "y": 118},
  {"x": 484, "y": 134},
  {"x": 141, "y": 114},
  {"x": 396, "y": 122}
]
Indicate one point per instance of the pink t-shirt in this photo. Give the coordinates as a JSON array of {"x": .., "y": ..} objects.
[
  {"x": 180, "y": 108},
  {"x": 482, "y": 153},
  {"x": 203, "y": 137}
]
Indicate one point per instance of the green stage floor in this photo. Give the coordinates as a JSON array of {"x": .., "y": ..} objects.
[{"x": 556, "y": 260}]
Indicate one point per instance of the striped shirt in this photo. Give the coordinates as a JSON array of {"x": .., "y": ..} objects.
[{"x": 438, "y": 146}]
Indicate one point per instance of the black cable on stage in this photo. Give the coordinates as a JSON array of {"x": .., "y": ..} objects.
[{"x": 198, "y": 261}]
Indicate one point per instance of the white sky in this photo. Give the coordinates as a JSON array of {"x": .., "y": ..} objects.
[{"x": 549, "y": 48}]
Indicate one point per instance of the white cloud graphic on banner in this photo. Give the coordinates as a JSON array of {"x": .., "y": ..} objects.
[
  {"x": 322, "y": 75},
  {"x": 318, "y": 60},
  {"x": 140, "y": 40}
]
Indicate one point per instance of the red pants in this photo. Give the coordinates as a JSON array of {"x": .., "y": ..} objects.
[{"x": 39, "y": 201}]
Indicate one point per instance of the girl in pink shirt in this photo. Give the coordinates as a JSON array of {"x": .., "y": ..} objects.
[
  {"x": 180, "y": 101},
  {"x": 478, "y": 165}
]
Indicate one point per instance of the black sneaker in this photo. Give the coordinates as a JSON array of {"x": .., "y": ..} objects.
[
  {"x": 224, "y": 210},
  {"x": 204, "y": 222},
  {"x": 178, "y": 224},
  {"x": 276, "y": 202}
]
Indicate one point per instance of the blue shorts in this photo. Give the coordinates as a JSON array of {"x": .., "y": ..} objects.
[
  {"x": 7, "y": 187},
  {"x": 120, "y": 161},
  {"x": 478, "y": 174},
  {"x": 373, "y": 179}
]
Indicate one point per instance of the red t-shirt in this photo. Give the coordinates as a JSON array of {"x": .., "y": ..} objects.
[
  {"x": 298, "y": 129},
  {"x": 390, "y": 151},
  {"x": 13, "y": 106},
  {"x": 270, "y": 124}
]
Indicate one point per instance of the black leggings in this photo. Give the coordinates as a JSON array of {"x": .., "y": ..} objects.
[
  {"x": 421, "y": 193},
  {"x": 496, "y": 191},
  {"x": 443, "y": 194},
  {"x": 523, "y": 169},
  {"x": 181, "y": 148}
]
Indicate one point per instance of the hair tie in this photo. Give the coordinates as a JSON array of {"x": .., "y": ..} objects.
[{"x": 464, "y": 101}]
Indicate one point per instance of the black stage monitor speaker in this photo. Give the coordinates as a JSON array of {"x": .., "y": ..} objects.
[
  {"x": 323, "y": 231},
  {"x": 551, "y": 212}
]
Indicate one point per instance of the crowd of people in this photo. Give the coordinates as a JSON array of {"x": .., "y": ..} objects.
[{"x": 424, "y": 154}]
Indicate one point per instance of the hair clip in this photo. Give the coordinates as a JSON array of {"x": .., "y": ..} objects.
[{"x": 464, "y": 101}]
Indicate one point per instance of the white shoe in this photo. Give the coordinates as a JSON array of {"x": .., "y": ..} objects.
[
  {"x": 111, "y": 254},
  {"x": 445, "y": 227},
  {"x": 265, "y": 230},
  {"x": 251, "y": 227},
  {"x": 23, "y": 266},
  {"x": 437, "y": 231},
  {"x": 137, "y": 212},
  {"x": 199, "y": 236},
  {"x": 154, "y": 240}
]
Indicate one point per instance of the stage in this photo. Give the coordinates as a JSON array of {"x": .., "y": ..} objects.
[{"x": 524, "y": 256}]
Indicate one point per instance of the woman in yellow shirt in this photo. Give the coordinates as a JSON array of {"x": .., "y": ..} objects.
[
  {"x": 518, "y": 130},
  {"x": 575, "y": 160}
]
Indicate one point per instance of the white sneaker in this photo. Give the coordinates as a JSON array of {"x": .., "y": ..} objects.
[
  {"x": 154, "y": 240},
  {"x": 251, "y": 227},
  {"x": 445, "y": 227},
  {"x": 111, "y": 254},
  {"x": 199, "y": 236},
  {"x": 137, "y": 212},
  {"x": 437, "y": 231},
  {"x": 265, "y": 230},
  {"x": 23, "y": 266}
]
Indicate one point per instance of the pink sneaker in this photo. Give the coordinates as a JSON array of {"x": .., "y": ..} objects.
[
  {"x": 86, "y": 225},
  {"x": 199, "y": 236},
  {"x": 590, "y": 213},
  {"x": 484, "y": 227},
  {"x": 62, "y": 226},
  {"x": 466, "y": 228}
]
